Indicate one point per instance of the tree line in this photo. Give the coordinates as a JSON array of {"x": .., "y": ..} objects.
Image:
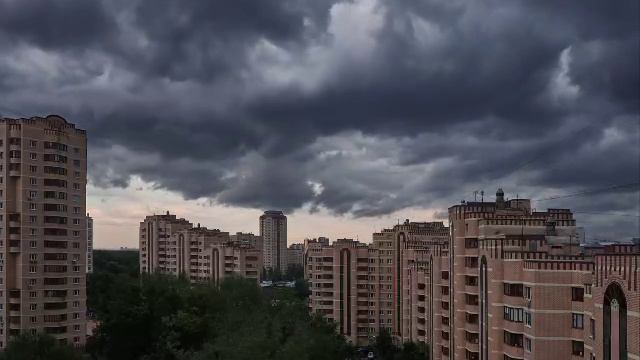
[{"x": 159, "y": 317}]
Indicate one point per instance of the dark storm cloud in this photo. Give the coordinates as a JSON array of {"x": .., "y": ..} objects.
[
  {"x": 54, "y": 25},
  {"x": 363, "y": 107}
]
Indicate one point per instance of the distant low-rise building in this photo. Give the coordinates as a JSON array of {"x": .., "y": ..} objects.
[{"x": 247, "y": 239}]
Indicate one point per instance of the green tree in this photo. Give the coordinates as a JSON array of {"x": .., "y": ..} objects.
[{"x": 38, "y": 347}]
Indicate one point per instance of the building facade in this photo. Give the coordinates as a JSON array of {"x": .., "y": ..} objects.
[
  {"x": 273, "y": 230},
  {"x": 360, "y": 286},
  {"x": 171, "y": 245},
  {"x": 43, "y": 230},
  {"x": 89, "y": 244},
  {"x": 155, "y": 243},
  {"x": 506, "y": 283},
  {"x": 295, "y": 255},
  {"x": 247, "y": 239}
]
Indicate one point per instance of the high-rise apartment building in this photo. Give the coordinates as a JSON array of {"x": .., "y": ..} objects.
[
  {"x": 273, "y": 230},
  {"x": 43, "y": 230},
  {"x": 89, "y": 244},
  {"x": 508, "y": 283},
  {"x": 174, "y": 246},
  {"x": 155, "y": 243},
  {"x": 360, "y": 286}
]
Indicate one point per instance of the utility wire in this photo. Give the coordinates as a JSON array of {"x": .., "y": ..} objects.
[
  {"x": 606, "y": 213},
  {"x": 590, "y": 192},
  {"x": 541, "y": 154}
]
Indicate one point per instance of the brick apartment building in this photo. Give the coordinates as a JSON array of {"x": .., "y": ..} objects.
[
  {"x": 502, "y": 282},
  {"x": 43, "y": 230},
  {"x": 172, "y": 245}
]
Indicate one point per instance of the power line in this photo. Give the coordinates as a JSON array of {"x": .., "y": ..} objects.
[
  {"x": 590, "y": 192},
  {"x": 606, "y": 213},
  {"x": 539, "y": 155}
]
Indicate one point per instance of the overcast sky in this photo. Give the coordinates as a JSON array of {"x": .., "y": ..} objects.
[{"x": 347, "y": 115}]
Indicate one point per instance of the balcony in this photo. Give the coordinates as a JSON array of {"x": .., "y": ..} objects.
[
  {"x": 14, "y": 296},
  {"x": 14, "y": 220},
  {"x": 14, "y": 246}
]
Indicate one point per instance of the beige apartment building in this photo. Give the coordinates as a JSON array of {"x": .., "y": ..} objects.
[
  {"x": 295, "y": 255},
  {"x": 43, "y": 230},
  {"x": 247, "y": 239},
  {"x": 172, "y": 245},
  {"x": 509, "y": 283},
  {"x": 273, "y": 230},
  {"x": 360, "y": 286}
]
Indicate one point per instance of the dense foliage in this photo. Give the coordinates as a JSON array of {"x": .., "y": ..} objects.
[
  {"x": 166, "y": 318},
  {"x": 38, "y": 347}
]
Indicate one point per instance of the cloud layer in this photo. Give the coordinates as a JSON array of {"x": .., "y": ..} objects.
[{"x": 359, "y": 107}]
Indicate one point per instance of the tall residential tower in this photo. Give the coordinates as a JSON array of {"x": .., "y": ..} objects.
[
  {"x": 273, "y": 230},
  {"x": 43, "y": 230}
]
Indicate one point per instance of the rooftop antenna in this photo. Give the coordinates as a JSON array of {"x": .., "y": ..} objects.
[{"x": 482, "y": 195}]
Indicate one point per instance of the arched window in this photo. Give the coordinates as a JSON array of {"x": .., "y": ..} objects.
[{"x": 615, "y": 323}]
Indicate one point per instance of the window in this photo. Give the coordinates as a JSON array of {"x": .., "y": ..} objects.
[
  {"x": 76, "y": 186},
  {"x": 33, "y": 194},
  {"x": 513, "y": 289},
  {"x": 527, "y": 344},
  {"x": 513, "y": 314},
  {"x": 76, "y": 162},
  {"x": 33, "y": 269},
  {"x": 33, "y": 168},
  {"x": 577, "y": 294},
  {"x": 33, "y": 294},
  {"x": 577, "y": 348},
  {"x": 76, "y": 221},
  {"x": 33, "y": 219},
  {"x": 527, "y": 318},
  {"x": 76, "y": 174},
  {"x": 592, "y": 325},
  {"x": 33, "y": 307},
  {"x": 33, "y": 143},
  {"x": 33, "y": 156},
  {"x": 33, "y": 181},
  {"x": 33, "y": 257},
  {"x": 34, "y": 319},
  {"x": 33, "y": 206},
  {"x": 527, "y": 292},
  {"x": 33, "y": 244},
  {"x": 577, "y": 321}
]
